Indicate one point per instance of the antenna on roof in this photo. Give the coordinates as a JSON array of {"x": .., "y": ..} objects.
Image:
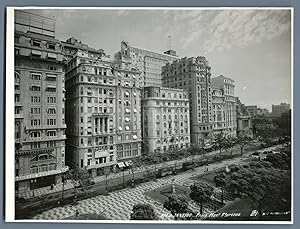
[{"x": 169, "y": 42}]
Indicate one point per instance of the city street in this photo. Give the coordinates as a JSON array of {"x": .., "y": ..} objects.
[{"x": 117, "y": 205}]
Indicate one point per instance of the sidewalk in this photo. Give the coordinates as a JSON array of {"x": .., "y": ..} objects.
[{"x": 68, "y": 184}]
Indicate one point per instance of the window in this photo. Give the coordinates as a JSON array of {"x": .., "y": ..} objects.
[
  {"x": 51, "y": 46},
  {"x": 17, "y": 130},
  {"x": 35, "y": 76},
  {"x": 51, "y": 133},
  {"x": 51, "y": 144},
  {"x": 35, "y": 122},
  {"x": 36, "y": 43},
  {"x": 35, "y": 134},
  {"x": 17, "y": 98},
  {"x": 51, "y": 122},
  {"x": 51, "y": 111},
  {"x": 35, "y": 110},
  {"x": 51, "y": 89},
  {"x": 35, "y": 145},
  {"x": 35, "y": 88},
  {"x": 52, "y": 67},
  {"x": 51, "y": 99}
]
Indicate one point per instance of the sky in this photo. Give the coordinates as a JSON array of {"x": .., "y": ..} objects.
[{"x": 250, "y": 46}]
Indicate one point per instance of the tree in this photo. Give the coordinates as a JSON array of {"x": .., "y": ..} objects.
[
  {"x": 221, "y": 180},
  {"x": 242, "y": 141},
  {"x": 279, "y": 160},
  {"x": 230, "y": 143},
  {"x": 143, "y": 212},
  {"x": 219, "y": 141},
  {"x": 106, "y": 172},
  {"x": 176, "y": 204},
  {"x": 80, "y": 178},
  {"x": 258, "y": 181},
  {"x": 201, "y": 193},
  {"x": 194, "y": 150}
]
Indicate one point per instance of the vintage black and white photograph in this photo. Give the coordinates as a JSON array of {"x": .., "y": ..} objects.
[{"x": 157, "y": 115}]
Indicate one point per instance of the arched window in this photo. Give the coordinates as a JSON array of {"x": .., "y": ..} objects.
[
  {"x": 157, "y": 117},
  {"x": 89, "y": 141},
  {"x": 164, "y": 117},
  {"x": 158, "y": 142}
]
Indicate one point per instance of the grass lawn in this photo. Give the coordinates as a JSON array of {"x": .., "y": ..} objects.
[
  {"x": 161, "y": 194},
  {"x": 207, "y": 177}
]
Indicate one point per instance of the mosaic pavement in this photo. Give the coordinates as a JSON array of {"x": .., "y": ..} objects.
[{"x": 117, "y": 205}]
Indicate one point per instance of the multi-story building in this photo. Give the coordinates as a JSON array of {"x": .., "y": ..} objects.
[
  {"x": 102, "y": 110},
  {"x": 39, "y": 103},
  {"x": 262, "y": 112},
  {"x": 244, "y": 120},
  {"x": 252, "y": 110},
  {"x": 149, "y": 63},
  {"x": 165, "y": 119},
  {"x": 277, "y": 110},
  {"x": 193, "y": 75},
  {"x": 219, "y": 115},
  {"x": 226, "y": 85}
]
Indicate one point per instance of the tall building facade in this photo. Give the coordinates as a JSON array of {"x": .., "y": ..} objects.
[
  {"x": 193, "y": 75},
  {"x": 39, "y": 103},
  {"x": 252, "y": 110},
  {"x": 244, "y": 120},
  {"x": 277, "y": 110},
  {"x": 165, "y": 119},
  {"x": 149, "y": 63},
  {"x": 103, "y": 111},
  {"x": 219, "y": 110},
  {"x": 226, "y": 85}
]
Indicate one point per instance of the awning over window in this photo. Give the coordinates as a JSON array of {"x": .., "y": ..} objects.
[
  {"x": 127, "y": 128},
  {"x": 120, "y": 128},
  {"x": 36, "y": 52},
  {"x": 51, "y": 86},
  {"x": 121, "y": 165},
  {"x": 134, "y": 110},
  {"x": 134, "y": 93},
  {"x": 52, "y": 55},
  {"x": 127, "y": 110},
  {"x": 127, "y": 93},
  {"x": 134, "y": 137},
  {"x": 127, "y": 119},
  {"x": 51, "y": 76}
]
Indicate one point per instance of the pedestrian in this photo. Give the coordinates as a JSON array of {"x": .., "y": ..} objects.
[
  {"x": 77, "y": 213},
  {"x": 52, "y": 186}
]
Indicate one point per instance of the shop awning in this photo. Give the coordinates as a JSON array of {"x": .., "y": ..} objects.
[
  {"x": 121, "y": 165},
  {"x": 126, "y": 164}
]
